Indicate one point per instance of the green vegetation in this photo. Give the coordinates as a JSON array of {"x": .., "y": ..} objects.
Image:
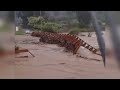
[
  {"x": 77, "y": 30},
  {"x": 20, "y": 32},
  {"x": 58, "y": 21},
  {"x": 41, "y": 24},
  {"x": 16, "y": 47},
  {"x": 84, "y": 18},
  {"x": 51, "y": 27},
  {"x": 36, "y": 22}
]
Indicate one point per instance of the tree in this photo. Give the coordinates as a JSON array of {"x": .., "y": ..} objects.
[
  {"x": 36, "y": 22},
  {"x": 84, "y": 18},
  {"x": 24, "y": 16},
  {"x": 101, "y": 16},
  {"x": 41, "y": 24},
  {"x": 19, "y": 21}
]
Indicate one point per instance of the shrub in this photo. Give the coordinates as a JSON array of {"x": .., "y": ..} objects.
[
  {"x": 40, "y": 23},
  {"x": 51, "y": 27},
  {"x": 76, "y": 31},
  {"x": 36, "y": 22}
]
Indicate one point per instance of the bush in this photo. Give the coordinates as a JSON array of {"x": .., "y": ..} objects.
[
  {"x": 76, "y": 31},
  {"x": 36, "y": 22},
  {"x": 51, "y": 27},
  {"x": 40, "y": 23}
]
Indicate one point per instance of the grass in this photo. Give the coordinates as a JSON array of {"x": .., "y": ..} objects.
[
  {"x": 77, "y": 30},
  {"x": 19, "y": 32}
]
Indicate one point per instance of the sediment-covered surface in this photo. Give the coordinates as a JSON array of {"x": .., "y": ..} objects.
[{"x": 52, "y": 62}]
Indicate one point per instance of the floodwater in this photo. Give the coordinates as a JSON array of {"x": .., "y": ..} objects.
[{"x": 52, "y": 62}]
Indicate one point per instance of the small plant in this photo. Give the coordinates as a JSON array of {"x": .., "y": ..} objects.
[{"x": 16, "y": 47}]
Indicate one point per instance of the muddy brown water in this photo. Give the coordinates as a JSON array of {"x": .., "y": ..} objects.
[{"x": 52, "y": 62}]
